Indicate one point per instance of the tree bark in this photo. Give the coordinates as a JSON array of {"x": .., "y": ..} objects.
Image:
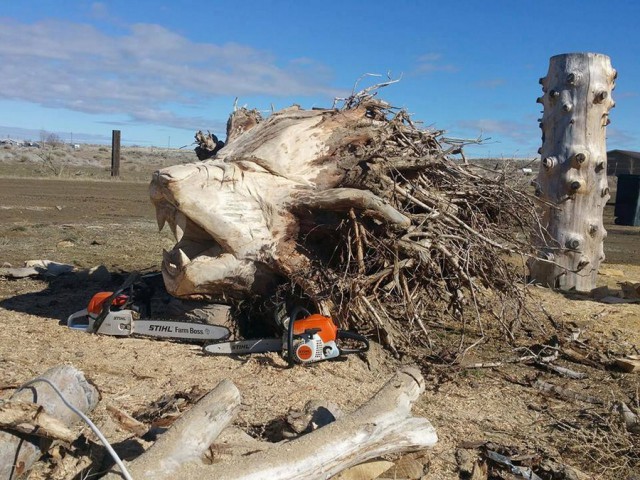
[
  {"x": 573, "y": 171},
  {"x": 382, "y": 426},
  {"x": 18, "y": 451}
]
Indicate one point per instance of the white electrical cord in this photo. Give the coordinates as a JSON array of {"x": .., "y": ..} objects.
[{"x": 102, "y": 438}]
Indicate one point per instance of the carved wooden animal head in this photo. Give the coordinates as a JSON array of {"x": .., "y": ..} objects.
[{"x": 233, "y": 216}]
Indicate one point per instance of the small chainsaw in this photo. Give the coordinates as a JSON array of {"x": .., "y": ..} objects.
[
  {"x": 124, "y": 312},
  {"x": 307, "y": 340}
]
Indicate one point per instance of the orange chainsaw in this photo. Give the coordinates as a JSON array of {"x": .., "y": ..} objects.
[
  {"x": 125, "y": 312},
  {"x": 310, "y": 339}
]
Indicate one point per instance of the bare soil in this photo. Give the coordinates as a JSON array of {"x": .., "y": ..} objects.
[{"x": 87, "y": 222}]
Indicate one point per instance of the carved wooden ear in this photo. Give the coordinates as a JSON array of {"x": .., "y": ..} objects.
[{"x": 345, "y": 199}]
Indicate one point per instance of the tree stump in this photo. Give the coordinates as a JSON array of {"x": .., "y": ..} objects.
[{"x": 572, "y": 180}]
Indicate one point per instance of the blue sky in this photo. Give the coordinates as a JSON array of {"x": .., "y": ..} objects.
[{"x": 159, "y": 70}]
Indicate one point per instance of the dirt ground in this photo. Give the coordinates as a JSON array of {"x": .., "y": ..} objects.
[{"x": 88, "y": 222}]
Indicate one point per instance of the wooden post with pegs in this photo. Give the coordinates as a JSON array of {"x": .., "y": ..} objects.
[{"x": 572, "y": 179}]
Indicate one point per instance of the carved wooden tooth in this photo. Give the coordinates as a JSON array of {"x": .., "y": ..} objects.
[
  {"x": 161, "y": 218},
  {"x": 180, "y": 225},
  {"x": 182, "y": 260},
  {"x": 167, "y": 263}
]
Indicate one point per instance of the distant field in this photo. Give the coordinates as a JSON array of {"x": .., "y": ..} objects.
[{"x": 88, "y": 161}]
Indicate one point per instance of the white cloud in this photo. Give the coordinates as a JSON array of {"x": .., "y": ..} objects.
[
  {"x": 521, "y": 132},
  {"x": 431, "y": 62},
  {"x": 33, "y": 134},
  {"x": 139, "y": 73},
  {"x": 514, "y": 137},
  {"x": 491, "y": 83}
]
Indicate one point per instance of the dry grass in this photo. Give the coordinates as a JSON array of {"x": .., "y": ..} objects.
[{"x": 89, "y": 161}]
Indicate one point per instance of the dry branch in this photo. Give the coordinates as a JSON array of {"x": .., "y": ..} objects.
[
  {"x": 189, "y": 437},
  {"x": 552, "y": 390},
  {"x": 630, "y": 419},
  {"x": 127, "y": 422},
  {"x": 629, "y": 364},
  {"x": 30, "y": 418},
  {"x": 384, "y": 425},
  {"x": 565, "y": 372}
]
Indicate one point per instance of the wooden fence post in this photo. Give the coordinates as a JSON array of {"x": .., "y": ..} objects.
[{"x": 115, "y": 153}]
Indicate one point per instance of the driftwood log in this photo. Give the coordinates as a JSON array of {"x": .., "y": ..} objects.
[
  {"x": 21, "y": 448},
  {"x": 354, "y": 208},
  {"x": 382, "y": 426},
  {"x": 573, "y": 172}
]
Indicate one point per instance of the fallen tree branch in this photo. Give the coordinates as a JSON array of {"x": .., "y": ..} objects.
[
  {"x": 189, "y": 437},
  {"x": 384, "y": 425},
  {"x": 578, "y": 357},
  {"x": 630, "y": 419},
  {"x": 127, "y": 422},
  {"x": 30, "y": 418},
  {"x": 550, "y": 389},
  {"x": 565, "y": 372}
]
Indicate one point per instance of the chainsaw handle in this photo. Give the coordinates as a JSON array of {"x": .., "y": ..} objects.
[
  {"x": 345, "y": 334},
  {"x": 78, "y": 320}
]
